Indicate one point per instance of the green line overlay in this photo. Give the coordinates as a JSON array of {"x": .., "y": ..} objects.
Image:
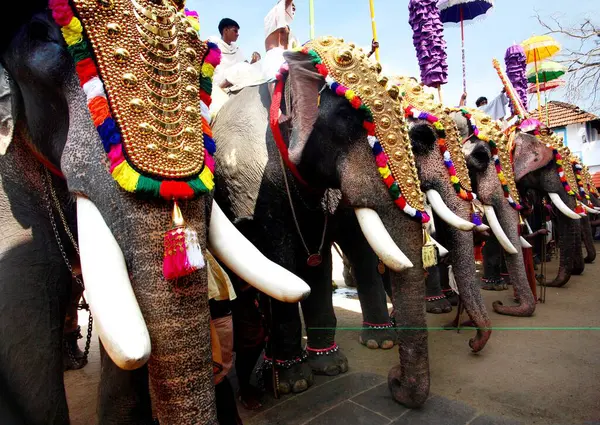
[{"x": 493, "y": 328}]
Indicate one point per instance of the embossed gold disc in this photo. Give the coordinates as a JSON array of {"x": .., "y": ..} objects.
[{"x": 150, "y": 61}]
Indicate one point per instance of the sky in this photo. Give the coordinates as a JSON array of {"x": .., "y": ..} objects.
[{"x": 509, "y": 22}]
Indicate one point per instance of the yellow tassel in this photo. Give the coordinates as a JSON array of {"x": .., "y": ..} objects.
[
  {"x": 126, "y": 176},
  {"x": 206, "y": 176},
  {"x": 429, "y": 253}
]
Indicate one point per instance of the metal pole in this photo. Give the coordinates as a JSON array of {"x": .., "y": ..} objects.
[
  {"x": 374, "y": 26},
  {"x": 311, "y": 8}
]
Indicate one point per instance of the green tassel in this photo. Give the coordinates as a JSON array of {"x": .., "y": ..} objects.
[{"x": 429, "y": 252}]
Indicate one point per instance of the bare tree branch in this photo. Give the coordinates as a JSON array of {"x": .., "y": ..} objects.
[{"x": 581, "y": 57}]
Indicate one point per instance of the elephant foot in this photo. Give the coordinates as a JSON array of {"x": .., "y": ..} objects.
[
  {"x": 73, "y": 357},
  {"x": 451, "y": 296},
  {"x": 437, "y": 304},
  {"x": 327, "y": 361},
  {"x": 292, "y": 376},
  {"x": 407, "y": 393},
  {"x": 493, "y": 284},
  {"x": 519, "y": 310},
  {"x": 378, "y": 336}
]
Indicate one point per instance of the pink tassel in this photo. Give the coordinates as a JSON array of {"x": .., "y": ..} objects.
[{"x": 183, "y": 254}]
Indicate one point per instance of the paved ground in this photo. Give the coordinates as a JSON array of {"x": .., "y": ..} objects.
[{"x": 543, "y": 370}]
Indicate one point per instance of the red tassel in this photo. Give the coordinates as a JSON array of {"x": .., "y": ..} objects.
[{"x": 182, "y": 254}]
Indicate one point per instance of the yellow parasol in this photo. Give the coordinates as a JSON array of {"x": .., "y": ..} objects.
[{"x": 538, "y": 48}]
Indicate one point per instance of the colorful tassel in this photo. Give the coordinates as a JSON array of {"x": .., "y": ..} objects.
[
  {"x": 476, "y": 218},
  {"x": 183, "y": 254},
  {"x": 429, "y": 253}
]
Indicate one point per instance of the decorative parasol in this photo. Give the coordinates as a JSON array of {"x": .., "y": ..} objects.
[
  {"x": 516, "y": 63},
  {"x": 546, "y": 71},
  {"x": 538, "y": 48},
  {"x": 428, "y": 39},
  {"x": 530, "y": 124},
  {"x": 550, "y": 85},
  {"x": 459, "y": 11}
]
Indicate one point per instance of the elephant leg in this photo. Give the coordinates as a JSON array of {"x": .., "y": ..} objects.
[
  {"x": 284, "y": 349},
  {"x": 578, "y": 260},
  {"x": 377, "y": 330},
  {"x": 123, "y": 395},
  {"x": 588, "y": 240},
  {"x": 324, "y": 356},
  {"x": 34, "y": 291},
  {"x": 492, "y": 265},
  {"x": 435, "y": 300},
  {"x": 568, "y": 231}
]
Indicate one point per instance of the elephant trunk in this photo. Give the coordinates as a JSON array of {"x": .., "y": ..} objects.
[
  {"x": 409, "y": 381},
  {"x": 177, "y": 316},
  {"x": 588, "y": 240},
  {"x": 176, "y": 313},
  {"x": 470, "y": 295},
  {"x": 509, "y": 218}
]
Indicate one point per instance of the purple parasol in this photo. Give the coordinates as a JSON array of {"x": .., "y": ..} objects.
[
  {"x": 461, "y": 11},
  {"x": 428, "y": 39},
  {"x": 516, "y": 63}
]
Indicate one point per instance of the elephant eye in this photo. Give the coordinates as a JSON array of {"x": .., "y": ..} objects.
[{"x": 39, "y": 31}]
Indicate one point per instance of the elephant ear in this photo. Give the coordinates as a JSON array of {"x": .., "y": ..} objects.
[
  {"x": 7, "y": 124},
  {"x": 305, "y": 83},
  {"x": 530, "y": 154}
]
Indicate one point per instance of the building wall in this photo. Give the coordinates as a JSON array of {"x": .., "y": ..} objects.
[{"x": 588, "y": 152}]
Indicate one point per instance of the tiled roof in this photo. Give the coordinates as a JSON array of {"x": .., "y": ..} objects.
[{"x": 561, "y": 114}]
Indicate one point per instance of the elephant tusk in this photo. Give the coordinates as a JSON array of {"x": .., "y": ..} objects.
[
  {"x": 380, "y": 240},
  {"x": 442, "y": 251},
  {"x": 590, "y": 210},
  {"x": 497, "y": 230},
  {"x": 441, "y": 209},
  {"x": 227, "y": 244},
  {"x": 524, "y": 242},
  {"x": 562, "y": 207},
  {"x": 482, "y": 227},
  {"x": 116, "y": 312}
]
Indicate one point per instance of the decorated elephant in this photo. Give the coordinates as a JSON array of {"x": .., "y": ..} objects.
[
  {"x": 488, "y": 158},
  {"x": 105, "y": 149},
  {"x": 444, "y": 176},
  {"x": 538, "y": 164},
  {"x": 586, "y": 200},
  {"x": 284, "y": 152}
]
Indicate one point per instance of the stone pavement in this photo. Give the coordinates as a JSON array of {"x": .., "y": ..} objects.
[{"x": 364, "y": 398}]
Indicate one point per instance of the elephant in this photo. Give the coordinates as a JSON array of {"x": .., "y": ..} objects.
[
  {"x": 482, "y": 167},
  {"x": 535, "y": 168},
  {"x": 59, "y": 197},
  {"x": 586, "y": 201},
  {"x": 436, "y": 183},
  {"x": 253, "y": 187},
  {"x": 284, "y": 193}
]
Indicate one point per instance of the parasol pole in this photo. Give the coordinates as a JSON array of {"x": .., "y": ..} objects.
[
  {"x": 537, "y": 85},
  {"x": 462, "y": 40},
  {"x": 311, "y": 8},
  {"x": 373, "y": 26},
  {"x": 546, "y": 101}
]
